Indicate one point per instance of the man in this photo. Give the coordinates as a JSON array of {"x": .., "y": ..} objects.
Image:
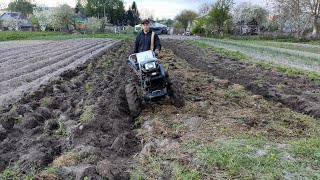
[{"x": 146, "y": 39}]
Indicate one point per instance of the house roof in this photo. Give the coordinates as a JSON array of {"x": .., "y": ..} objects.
[
  {"x": 15, "y": 15},
  {"x": 80, "y": 18}
]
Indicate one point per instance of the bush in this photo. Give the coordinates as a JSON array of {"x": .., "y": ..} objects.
[
  {"x": 93, "y": 24},
  {"x": 198, "y": 29}
]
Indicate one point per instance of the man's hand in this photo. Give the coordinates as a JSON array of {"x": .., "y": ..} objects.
[{"x": 134, "y": 58}]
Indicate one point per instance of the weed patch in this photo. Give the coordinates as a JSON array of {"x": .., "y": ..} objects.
[{"x": 87, "y": 114}]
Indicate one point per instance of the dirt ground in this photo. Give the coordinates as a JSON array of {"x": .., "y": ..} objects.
[
  {"x": 25, "y": 65},
  {"x": 296, "y": 92},
  {"x": 78, "y": 126},
  {"x": 174, "y": 139}
]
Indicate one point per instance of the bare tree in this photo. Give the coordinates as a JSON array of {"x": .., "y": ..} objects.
[
  {"x": 294, "y": 14},
  {"x": 314, "y": 10},
  {"x": 205, "y": 8},
  {"x": 3, "y": 5},
  {"x": 145, "y": 13}
]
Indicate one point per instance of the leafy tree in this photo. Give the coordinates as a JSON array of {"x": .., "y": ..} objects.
[
  {"x": 200, "y": 26},
  {"x": 198, "y": 29},
  {"x": 23, "y": 6},
  {"x": 186, "y": 17},
  {"x": 79, "y": 7},
  {"x": 61, "y": 17},
  {"x": 178, "y": 25},
  {"x": 246, "y": 12},
  {"x": 35, "y": 22},
  {"x": 130, "y": 17},
  {"x": 135, "y": 12},
  {"x": 169, "y": 22},
  {"x": 93, "y": 24},
  {"x": 220, "y": 14},
  {"x": 112, "y": 9},
  {"x": 44, "y": 21}
]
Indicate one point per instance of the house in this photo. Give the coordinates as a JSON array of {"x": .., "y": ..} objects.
[
  {"x": 15, "y": 21},
  {"x": 79, "y": 21},
  {"x": 249, "y": 28}
]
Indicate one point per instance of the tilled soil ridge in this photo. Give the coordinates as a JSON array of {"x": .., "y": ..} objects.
[
  {"x": 75, "y": 127},
  {"x": 25, "y": 68},
  {"x": 296, "y": 92}
]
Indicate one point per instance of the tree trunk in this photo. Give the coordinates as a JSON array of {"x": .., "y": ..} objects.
[{"x": 315, "y": 27}]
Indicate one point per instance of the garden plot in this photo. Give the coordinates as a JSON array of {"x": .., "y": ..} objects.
[
  {"x": 25, "y": 65},
  {"x": 74, "y": 127},
  {"x": 297, "y": 92},
  {"x": 267, "y": 54},
  {"x": 223, "y": 131},
  {"x": 78, "y": 125}
]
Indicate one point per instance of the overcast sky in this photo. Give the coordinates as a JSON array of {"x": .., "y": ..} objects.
[{"x": 159, "y": 8}]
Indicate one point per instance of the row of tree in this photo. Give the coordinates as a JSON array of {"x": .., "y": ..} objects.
[
  {"x": 296, "y": 16},
  {"x": 23, "y": 6},
  {"x": 112, "y": 10}
]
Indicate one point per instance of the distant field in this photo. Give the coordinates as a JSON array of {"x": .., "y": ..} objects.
[
  {"x": 293, "y": 55},
  {"x": 293, "y": 58}
]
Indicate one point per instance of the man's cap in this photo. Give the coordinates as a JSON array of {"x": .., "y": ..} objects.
[{"x": 145, "y": 21}]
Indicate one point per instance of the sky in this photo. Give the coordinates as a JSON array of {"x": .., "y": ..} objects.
[{"x": 158, "y": 8}]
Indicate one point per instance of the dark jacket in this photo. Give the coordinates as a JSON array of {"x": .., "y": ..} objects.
[{"x": 143, "y": 42}]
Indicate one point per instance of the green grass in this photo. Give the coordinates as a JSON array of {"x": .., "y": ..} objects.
[
  {"x": 295, "y": 46},
  {"x": 264, "y": 50},
  {"x": 280, "y": 38},
  {"x": 61, "y": 131},
  {"x": 234, "y": 93},
  {"x": 182, "y": 173},
  {"x": 8, "y": 174},
  {"x": 88, "y": 87},
  {"x": 312, "y": 75},
  {"x": 307, "y": 151},
  {"x": 12, "y": 174},
  {"x": 21, "y": 35},
  {"x": 87, "y": 114},
  {"x": 240, "y": 158},
  {"x": 27, "y": 35},
  {"x": 45, "y": 101},
  {"x": 221, "y": 51}
]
